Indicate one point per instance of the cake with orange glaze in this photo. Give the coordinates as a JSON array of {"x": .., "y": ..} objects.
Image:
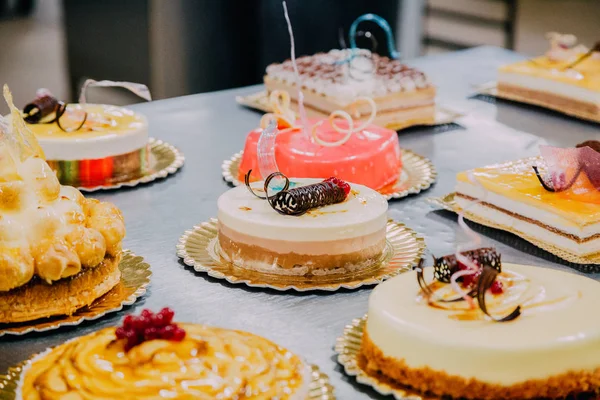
[
  {"x": 151, "y": 357},
  {"x": 59, "y": 251},
  {"x": 565, "y": 79},
  {"x": 559, "y": 205},
  {"x": 508, "y": 332}
]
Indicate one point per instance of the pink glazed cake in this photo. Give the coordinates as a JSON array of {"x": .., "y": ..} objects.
[{"x": 370, "y": 157}]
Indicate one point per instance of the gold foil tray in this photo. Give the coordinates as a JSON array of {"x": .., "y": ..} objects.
[
  {"x": 417, "y": 174},
  {"x": 260, "y": 101},
  {"x": 135, "y": 277},
  {"x": 319, "y": 387},
  {"x": 448, "y": 203},
  {"x": 491, "y": 89},
  {"x": 347, "y": 348},
  {"x": 199, "y": 249},
  {"x": 165, "y": 160}
]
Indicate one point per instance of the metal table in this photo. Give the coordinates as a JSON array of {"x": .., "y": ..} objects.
[{"x": 211, "y": 127}]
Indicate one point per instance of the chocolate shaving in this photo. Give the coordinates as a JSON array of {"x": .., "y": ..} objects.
[
  {"x": 550, "y": 186},
  {"x": 485, "y": 282},
  {"x": 421, "y": 279},
  {"x": 299, "y": 200},
  {"x": 46, "y": 105},
  {"x": 445, "y": 267},
  {"x": 593, "y": 144}
]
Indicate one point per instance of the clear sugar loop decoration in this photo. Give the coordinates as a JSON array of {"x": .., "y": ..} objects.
[
  {"x": 351, "y": 129},
  {"x": 279, "y": 101},
  {"x": 267, "y": 164},
  {"x": 138, "y": 89}
]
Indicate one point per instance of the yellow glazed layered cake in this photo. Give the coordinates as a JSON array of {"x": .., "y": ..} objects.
[
  {"x": 566, "y": 79},
  {"x": 403, "y": 95},
  {"x": 344, "y": 234},
  {"x": 522, "y": 333},
  {"x": 150, "y": 357},
  {"x": 510, "y": 195},
  {"x": 58, "y": 250}
]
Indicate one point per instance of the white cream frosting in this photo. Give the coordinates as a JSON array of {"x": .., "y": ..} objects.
[
  {"x": 364, "y": 212},
  {"x": 549, "y": 86},
  {"x": 369, "y": 75},
  {"x": 124, "y": 131},
  {"x": 557, "y": 332}
]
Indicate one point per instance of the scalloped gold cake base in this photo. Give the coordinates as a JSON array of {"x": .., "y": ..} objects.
[
  {"x": 491, "y": 89},
  {"x": 165, "y": 160},
  {"x": 199, "y": 249},
  {"x": 417, "y": 174},
  {"x": 347, "y": 348},
  {"x": 448, "y": 203},
  {"x": 319, "y": 386},
  {"x": 135, "y": 277},
  {"x": 260, "y": 101}
]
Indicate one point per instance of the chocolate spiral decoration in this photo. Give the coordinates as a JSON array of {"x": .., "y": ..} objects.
[
  {"x": 299, "y": 200},
  {"x": 485, "y": 282},
  {"x": 46, "y": 105}
]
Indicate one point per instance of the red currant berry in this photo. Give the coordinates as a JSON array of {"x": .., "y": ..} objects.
[
  {"x": 147, "y": 313},
  {"x": 141, "y": 323},
  {"x": 128, "y": 322},
  {"x": 497, "y": 287},
  {"x": 120, "y": 333},
  {"x": 346, "y": 187},
  {"x": 151, "y": 333},
  {"x": 178, "y": 334},
  {"x": 158, "y": 320},
  {"x": 167, "y": 332},
  {"x": 167, "y": 314}
]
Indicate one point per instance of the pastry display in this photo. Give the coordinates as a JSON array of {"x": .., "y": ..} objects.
[
  {"x": 565, "y": 79},
  {"x": 150, "y": 356},
  {"x": 305, "y": 227},
  {"x": 554, "y": 198},
  {"x": 90, "y": 145},
  {"x": 474, "y": 328},
  {"x": 58, "y": 250},
  {"x": 368, "y": 154}
]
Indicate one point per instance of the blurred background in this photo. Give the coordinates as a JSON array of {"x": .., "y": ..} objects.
[{"x": 180, "y": 47}]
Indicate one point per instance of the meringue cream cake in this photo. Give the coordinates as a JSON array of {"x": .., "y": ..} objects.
[
  {"x": 403, "y": 95},
  {"x": 58, "y": 250},
  {"x": 548, "y": 83},
  {"x": 552, "y": 350},
  {"x": 337, "y": 238},
  {"x": 510, "y": 195},
  {"x": 202, "y": 363}
]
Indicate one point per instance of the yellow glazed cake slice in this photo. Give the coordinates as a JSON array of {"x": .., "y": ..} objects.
[
  {"x": 151, "y": 357},
  {"x": 510, "y": 195},
  {"x": 566, "y": 79}
]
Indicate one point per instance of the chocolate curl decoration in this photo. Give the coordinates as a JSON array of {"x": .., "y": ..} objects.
[
  {"x": 485, "y": 282},
  {"x": 46, "y": 105},
  {"x": 576, "y": 168},
  {"x": 299, "y": 200},
  {"x": 585, "y": 56},
  {"x": 421, "y": 279},
  {"x": 444, "y": 267}
]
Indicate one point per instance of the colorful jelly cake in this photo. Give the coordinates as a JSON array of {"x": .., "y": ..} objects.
[
  {"x": 566, "y": 79},
  {"x": 311, "y": 228},
  {"x": 508, "y": 332},
  {"x": 370, "y": 157}
]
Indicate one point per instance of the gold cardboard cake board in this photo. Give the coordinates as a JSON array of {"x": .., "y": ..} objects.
[
  {"x": 135, "y": 277},
  {"x": 443, "y": 115},
  {"x": 165, "y": 160},
  {"x": 199, "y": 249},
  {"x": 448, "y": 203},
  {"x": 347, "y": 348},
  {"x": 319, "y": 386},
  {"x": 491, "y": 89},
  {"x": 417, "y": 174}
]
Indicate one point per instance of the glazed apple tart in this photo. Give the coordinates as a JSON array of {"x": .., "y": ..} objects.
[{"x": 58, "y": 250}]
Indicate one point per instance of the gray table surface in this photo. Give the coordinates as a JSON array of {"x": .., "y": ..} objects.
[{"x": 211, "y": 127}]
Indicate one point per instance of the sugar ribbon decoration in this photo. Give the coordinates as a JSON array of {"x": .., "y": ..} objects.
[
  {"x": 21, "y": 142},
  {"x": 301, "y": 109},
  {"x": 351, "y": 129},
  {"x": 137, "y": 88}
]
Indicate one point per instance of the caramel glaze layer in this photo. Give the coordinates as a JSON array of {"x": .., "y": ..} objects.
[
  {"x": 426, "y": 380},
  {"x": 570, "y": 236}
]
